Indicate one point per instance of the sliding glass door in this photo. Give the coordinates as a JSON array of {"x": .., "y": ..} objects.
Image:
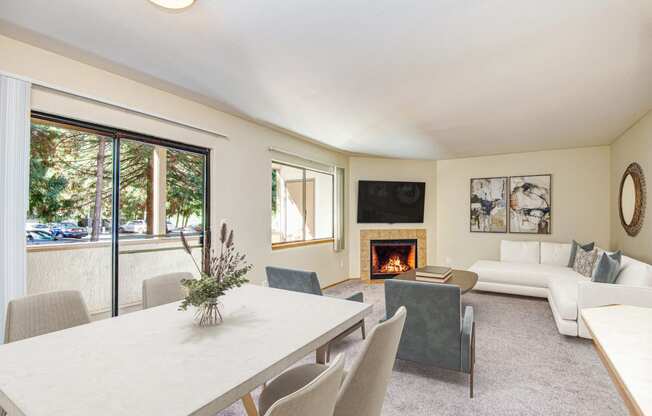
[
  {"x": 70, "y": 215},
  {"x": 161, "y": 196},
  {"x": 106, "y": 209}
]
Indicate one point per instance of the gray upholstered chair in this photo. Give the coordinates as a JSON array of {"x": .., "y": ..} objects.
[
  {"x": 43, "y": 313},
  {"x": 364, "y": 387},
  {"x": 316, "y": 398},
  {"x": 163, "y": 289},
  {"x": 435, "y": 332},
  {"x": 308, "y": 282}
]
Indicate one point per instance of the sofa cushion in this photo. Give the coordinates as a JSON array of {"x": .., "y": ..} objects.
[
  {"x": 573, "y": 253},
  {"x": 634, "y": 273},
  {"x": 607, "y": 267},
  {"x": 535, "y": 275},
  {"x": 563, "y": 292},
  {"x": 519, "y": 251},
  {"x": 555, "y": 254},
  {"x": 584, "y": 261}
]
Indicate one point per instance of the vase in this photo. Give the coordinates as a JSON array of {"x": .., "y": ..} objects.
[{"x": 208, "y": 314}]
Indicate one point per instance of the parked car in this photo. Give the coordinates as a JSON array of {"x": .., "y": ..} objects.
[
  {"x": 46, "y": 228},
  {"x": 135, "y": 226},
  {"x": 38, "y": 237},
  {"x": 56, "y": 230},
  {"x": 37, "y": 227},
  {"x": 68, "y": 230}
]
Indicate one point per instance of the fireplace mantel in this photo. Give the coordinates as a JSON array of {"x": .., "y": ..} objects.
[{"x": 366, "y": 236}]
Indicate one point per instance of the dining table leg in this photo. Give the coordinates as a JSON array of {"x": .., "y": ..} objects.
[{"x": 249, "y": 405}]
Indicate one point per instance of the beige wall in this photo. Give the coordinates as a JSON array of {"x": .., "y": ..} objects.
[
  {"x": 635, "y": 145},
  {"x": 367, "y": 168},
  {"x": 582, "y": 178},
  {"x": 240, "y": 166},
  {"x": 580, "y": 200}
]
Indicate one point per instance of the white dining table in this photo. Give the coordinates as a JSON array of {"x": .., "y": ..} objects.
[
  {"x": 159, "y": 362},
  {"x": 622, "y": 335}
]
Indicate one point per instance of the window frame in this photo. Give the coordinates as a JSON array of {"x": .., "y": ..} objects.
[
  {"x": 313, "y": 241},
  {"x": 116, "y": 134}
]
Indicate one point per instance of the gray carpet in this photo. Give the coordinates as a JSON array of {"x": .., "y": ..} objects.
[{"x": 524, "y": 366}]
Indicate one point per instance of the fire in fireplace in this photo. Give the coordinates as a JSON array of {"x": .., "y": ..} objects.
[{"x": 392, "y": 257}]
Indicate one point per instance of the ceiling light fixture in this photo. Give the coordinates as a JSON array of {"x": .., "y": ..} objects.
[{"x": 173, "y": 4}]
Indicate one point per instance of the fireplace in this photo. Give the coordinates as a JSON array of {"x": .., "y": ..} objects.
[{"x": 392, "y": 257}]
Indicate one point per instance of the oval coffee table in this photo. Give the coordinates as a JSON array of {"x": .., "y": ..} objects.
[{"x": 464, "y": 279}]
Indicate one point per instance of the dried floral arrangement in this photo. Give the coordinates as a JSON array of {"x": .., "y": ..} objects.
[{"x": 227, "y": 269}]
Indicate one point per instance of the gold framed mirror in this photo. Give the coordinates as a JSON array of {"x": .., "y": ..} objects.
[{"x": 632, "y": 199}]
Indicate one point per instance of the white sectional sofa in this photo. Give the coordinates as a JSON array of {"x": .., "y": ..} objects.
[{"x": 532, "y": 268}]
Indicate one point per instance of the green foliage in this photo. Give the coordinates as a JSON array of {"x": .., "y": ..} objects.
[
  {"x": 64, "y": 174},
  {"x": 274, "y": 190},
  {"x": 45, "y": 190},
  {"x": 185, "y": 180},
  {"x": 135, "y": 177},
  {"x": 227, "y": 270}
]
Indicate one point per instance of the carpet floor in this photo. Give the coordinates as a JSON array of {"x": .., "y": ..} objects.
[{"x": 523, "y": 365}]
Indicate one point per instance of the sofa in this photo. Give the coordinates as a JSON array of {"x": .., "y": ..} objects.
[{"x": 533, "y": 268}]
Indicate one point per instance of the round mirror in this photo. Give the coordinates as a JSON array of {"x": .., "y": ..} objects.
[
  {"x": 628, "y": 199},
  {"x": 632, "y": 199}
]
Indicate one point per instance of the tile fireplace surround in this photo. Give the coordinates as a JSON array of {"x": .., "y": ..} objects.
[{"x": 366, "y": 236}]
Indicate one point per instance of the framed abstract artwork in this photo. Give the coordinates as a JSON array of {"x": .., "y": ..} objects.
[
  {"x": 488, "y": 213},
  {"x": 530, "y": 204}
]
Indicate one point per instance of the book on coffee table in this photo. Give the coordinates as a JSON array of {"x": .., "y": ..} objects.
[
  {"x": 433, "y": 279},
  {"x": 433, "y": 273}
]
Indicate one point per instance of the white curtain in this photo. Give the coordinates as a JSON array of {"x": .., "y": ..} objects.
[
  {"x": 14, "y": 182},
  {"x": 340, "y": 218}
]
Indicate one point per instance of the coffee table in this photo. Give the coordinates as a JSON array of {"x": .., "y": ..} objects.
[{"x": 465, "y": 279}]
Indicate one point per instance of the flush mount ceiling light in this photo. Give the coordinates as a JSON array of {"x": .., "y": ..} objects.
[{"x": 173, "y": 4}]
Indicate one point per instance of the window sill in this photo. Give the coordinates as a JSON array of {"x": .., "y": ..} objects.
[{"x": 292, "y": 244}]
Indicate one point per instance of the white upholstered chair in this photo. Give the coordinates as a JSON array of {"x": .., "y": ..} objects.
[
  {"x": 363, "y": 390},
  {"x": 43, "y": 313},
  {"x": 163, "y": 289},
  {"x": 315, "y": 398}
]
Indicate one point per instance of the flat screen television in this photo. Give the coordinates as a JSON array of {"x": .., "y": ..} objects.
[{"x": 390, "y": 202}]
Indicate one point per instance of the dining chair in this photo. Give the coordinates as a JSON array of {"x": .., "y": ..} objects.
[
  {"x": 436, "y": 333},
  {"x": 43, "y": 313},
  {"x": 315, "y": 398},
  {"x": 363, "y": 389},
  {"x": 165, "y": 288},
  {"x": 308, "y": 282}
]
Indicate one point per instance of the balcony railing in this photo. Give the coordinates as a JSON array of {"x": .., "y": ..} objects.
[{"x": 87, "y": 267}]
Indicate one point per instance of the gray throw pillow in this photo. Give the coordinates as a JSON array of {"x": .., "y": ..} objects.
[
  {"x": 584, "y": 261},
  {"x": 607, "y": 268},
  {"x": 573, "y": 253}
]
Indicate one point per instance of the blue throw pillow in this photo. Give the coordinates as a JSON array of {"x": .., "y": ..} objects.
[
  {"x": 573, "y": 253},
  {"x": 608, "y": 268}
]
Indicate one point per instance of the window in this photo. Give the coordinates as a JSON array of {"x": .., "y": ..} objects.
[
  {"x": 302, "y": 204},
  {"x": 79, "y": 237}
]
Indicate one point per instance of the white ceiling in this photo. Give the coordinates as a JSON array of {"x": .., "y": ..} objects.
[{"x": 403, "y": 78}]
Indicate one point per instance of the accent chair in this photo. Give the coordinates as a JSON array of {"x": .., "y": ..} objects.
[{"x": 435, "y": 332}]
